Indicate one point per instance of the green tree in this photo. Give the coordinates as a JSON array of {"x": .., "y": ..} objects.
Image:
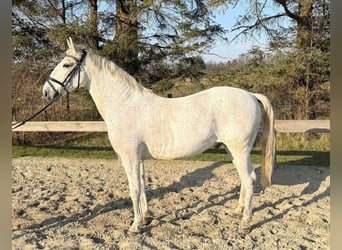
[
  {"x": 135, "y": 34},
  {"x": 307, "y": 34}
]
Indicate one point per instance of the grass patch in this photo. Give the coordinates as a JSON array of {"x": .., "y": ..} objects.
[
  {"x": 68, "y": 152},
  {"x": 292, "y": 149},
  {"x": 286, "y": 157}
]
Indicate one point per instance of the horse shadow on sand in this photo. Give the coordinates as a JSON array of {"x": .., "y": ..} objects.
[
  {"x": 288, "y": 174},
  {"x": 186, "y": 181},
  {"x": 293, "y": 174}
]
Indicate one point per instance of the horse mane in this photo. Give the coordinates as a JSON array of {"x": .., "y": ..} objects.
[{"x": 104, "y": 64}]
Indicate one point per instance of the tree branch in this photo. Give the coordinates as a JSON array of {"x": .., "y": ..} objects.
[
  {"x": 258, "y": 22},
  {"x": 287, "y": 11}
]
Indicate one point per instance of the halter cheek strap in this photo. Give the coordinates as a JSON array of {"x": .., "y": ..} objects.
[{"x": 70, "y": 75}]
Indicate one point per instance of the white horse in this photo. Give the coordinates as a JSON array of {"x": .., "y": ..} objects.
[{"x": 142, "y": 125}]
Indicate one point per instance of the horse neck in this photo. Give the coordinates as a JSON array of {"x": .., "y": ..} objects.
[{"x": 108, "y": 91}]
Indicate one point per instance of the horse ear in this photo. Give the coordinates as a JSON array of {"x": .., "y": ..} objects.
[{"x": 71, "y": 44}]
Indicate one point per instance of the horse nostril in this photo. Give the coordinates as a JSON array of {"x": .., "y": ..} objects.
[{"x": 46, "y": 95}]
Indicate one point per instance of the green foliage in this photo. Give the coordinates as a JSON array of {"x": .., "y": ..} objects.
[
  {"x": 136, "y": 35},
  {"x": 191, "y": 67},
  {"x": 297, "y": 82}
]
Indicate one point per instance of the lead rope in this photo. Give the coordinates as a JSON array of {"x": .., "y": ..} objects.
[
  {"x": 22, "y": 122},
  {"x": 78, "y": 67}
]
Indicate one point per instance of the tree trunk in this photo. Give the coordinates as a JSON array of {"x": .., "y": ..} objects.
[
  {"x": 93, "y": 22},
  {"x": 63, "y": 16},
  {"x": 304, "y": 43},
  {"x": 126, "y": 35},
  {"x": 304, "y": 25}
]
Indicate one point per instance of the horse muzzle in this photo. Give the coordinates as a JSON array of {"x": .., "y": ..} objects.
[{"x": 50, "y": 92}]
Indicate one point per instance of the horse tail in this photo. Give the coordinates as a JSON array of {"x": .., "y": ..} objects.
[{"x": 268, "y": 150}]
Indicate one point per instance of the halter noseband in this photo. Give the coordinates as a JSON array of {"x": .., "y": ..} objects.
[{"x": 72, "y": 72}]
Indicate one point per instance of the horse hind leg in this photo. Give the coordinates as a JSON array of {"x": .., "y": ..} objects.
[
  {"x": 238, "y": 212},
  {"x": 243, "y": 164}
]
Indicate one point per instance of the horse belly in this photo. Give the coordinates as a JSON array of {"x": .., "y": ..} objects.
[{"x": 181, "y": 146}]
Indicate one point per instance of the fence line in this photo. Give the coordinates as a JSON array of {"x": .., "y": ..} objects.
[{"x": 281, "y": 126}]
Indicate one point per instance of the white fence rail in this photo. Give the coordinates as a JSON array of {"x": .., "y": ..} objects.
[{"x": 281, "y": 126}]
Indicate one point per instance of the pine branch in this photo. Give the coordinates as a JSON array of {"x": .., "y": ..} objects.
[{"x": 260, "y": 22}]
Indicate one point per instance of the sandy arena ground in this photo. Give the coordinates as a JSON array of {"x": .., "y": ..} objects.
[{"x": 85, "y": 204}]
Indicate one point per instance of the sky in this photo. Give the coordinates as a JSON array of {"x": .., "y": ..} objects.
[{"x": 232, "y": 49}]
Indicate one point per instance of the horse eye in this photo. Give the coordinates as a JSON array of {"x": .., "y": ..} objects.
[{"x": 67, "y": 65}]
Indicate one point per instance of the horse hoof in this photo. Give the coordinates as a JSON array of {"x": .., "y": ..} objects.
[
  {"x": 134, "y": 231},
  {"x": 147, "y": 221},
  {"x": 236, "y": 215},
  {"x": 243, "y": 230},
  {"x": 238, "y": 212}
]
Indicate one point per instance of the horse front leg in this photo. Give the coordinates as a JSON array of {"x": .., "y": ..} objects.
[
  {"x": 132, "y": 168},
  {"x": 143, "y": 199}
]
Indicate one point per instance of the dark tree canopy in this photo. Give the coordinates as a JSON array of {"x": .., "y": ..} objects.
[{"x": 135, "y": 34}]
